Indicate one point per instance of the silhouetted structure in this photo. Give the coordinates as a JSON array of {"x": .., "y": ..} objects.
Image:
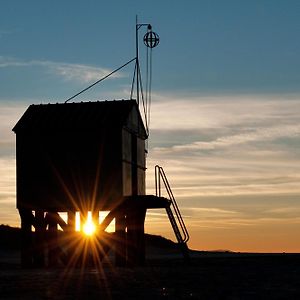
[{"x": 80, "y": 157}]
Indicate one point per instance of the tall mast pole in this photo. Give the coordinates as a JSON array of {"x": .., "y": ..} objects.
[
  {"x": 151, "y": 40},
  {"x": 137, "y": 61}
]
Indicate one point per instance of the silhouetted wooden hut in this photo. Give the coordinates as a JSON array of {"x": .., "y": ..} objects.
[{"x": 80, "y": 157}]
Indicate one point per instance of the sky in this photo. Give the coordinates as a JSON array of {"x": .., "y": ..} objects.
[{"x": 225, "y": 114}]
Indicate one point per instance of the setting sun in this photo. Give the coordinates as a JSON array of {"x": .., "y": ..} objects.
[
  {"x": 89, "y": 227},
  {"x": 89, "y": 224}
]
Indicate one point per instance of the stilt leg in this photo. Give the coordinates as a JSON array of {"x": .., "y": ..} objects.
[
  {"x": 120, "y": 244},
  {"x": 70, "y": 241},
  {"x": 131, "y": 221},
  {"x": 26, "y": 237},
  {"x": 39, "y": 249},
  {"x": 52, "y": 240},
  {"x": 135, "y": 236},
  {"x": 71, "y": 221},
  {"x": 141, "y": 214}
]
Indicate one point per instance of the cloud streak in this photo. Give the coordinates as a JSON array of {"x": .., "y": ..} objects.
[
  {"x": 228, "y": 145},
  {"x": 256, "y": 135},
  {"x": 76, "y": 72},
  {"x": 222, "y": 112},
  {"x": 4, "y": 32}
]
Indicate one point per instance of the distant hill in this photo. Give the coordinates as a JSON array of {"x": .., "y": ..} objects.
[
  {"x": 10, "y": 239},
  {"x": 159, "y": 241}
]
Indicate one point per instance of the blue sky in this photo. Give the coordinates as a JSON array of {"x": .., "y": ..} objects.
[
  {"x": 206, "y": 46},
  {"x": 225, "y": 116}
]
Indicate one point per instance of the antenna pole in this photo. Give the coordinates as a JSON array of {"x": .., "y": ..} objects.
[
  {"x": 138, "y": 83},
  {"x": 137, "y": 60},
  {"x": 151, "y": 40}
]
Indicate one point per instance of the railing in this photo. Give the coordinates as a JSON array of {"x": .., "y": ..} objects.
[{"x": 181, "y": 232}]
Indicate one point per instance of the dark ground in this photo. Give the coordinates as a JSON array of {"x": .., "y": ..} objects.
[{"x": 209, "y": 276}]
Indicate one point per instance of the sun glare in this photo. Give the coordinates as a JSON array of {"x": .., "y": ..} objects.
[{"x": 89, "y": 227}]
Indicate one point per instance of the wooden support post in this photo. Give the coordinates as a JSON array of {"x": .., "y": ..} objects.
[
  {"x": 81, "y": 255},
  {"x": 141, "y": 255},
  {"x": 135, "y": 236},
  {"x": 71, "y": 221},
  {"x": 120, "y": 243},
  {"x": 52, "y": 239},
  {"x": 39, "y": 248},
  {"x": 131, "y": 221},
  {"x": 26, "y": 237},
  {"x": 71, "y": 238},
  {"x": 95, "y": 218}
]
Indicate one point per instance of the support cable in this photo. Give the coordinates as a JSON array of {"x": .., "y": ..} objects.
[
  {"x": 143, "y": 100},
  {"x": 149, "y": 87},
  {"x": 133, "y": 81},
  {"x": 103, "y": 78},
  {"x": 147, "y": 79}
]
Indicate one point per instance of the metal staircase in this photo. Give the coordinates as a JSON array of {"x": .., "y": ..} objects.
[{"x": 173, "y": 212}]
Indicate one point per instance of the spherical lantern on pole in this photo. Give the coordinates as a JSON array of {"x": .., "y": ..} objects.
[{"x": 151, "y": 39}]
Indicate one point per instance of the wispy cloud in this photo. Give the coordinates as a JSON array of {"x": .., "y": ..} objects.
[
  {"x": 254, "y": 135},
  {"x": 285, "y": 211},
  {"x": 78, "y": 72},
  {"x": 211, "y": 210},
  {"x": 4, "y": 32},
  {"x": 218, "y": 146},
  {"x": 208, "y": 112},
  {"x": 242, "y": 216},
  {"x": 68, "y": 71},
  {"x": 207, "y": 212}
]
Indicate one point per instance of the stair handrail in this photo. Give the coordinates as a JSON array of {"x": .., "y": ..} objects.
[
  {"x": 160, "y": 175},
  {"x": 176, "y": 208}
]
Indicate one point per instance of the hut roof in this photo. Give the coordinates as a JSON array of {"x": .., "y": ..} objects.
[{"x": 79, "y": 116}]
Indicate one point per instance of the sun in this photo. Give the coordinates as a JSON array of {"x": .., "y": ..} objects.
[{"x": 89, "y": 228}]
